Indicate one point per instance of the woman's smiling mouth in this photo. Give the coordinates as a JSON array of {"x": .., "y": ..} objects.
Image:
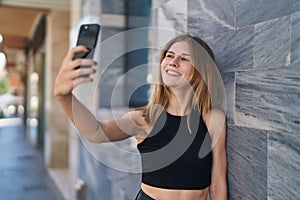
[{"x": 172, "y": 72}]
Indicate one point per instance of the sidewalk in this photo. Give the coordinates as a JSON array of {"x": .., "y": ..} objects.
[{"x": 23, "y": 175}]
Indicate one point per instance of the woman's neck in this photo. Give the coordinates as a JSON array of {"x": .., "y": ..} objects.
[{"x": 180, "y": 102}]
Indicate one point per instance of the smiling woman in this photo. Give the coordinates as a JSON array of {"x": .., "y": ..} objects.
[{"x": 180, "y": 133}]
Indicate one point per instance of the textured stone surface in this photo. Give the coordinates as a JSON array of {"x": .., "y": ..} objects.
[
  {"x": 272, "y": 43},
  {"x": 234, "y": 50},
  {"x": 210, "y": 17},
  {"x": 170, "y": 18},
  {"x": 173, "y": 15},
  {"x": 283, "y": 166},
  {"x": 229, "y": 84},
  {"x": 247, "y": 163},
  {"x": 255, "y": 11},
  {"x": 295, "y": 40},
  {"x": 269, "y": 99}
]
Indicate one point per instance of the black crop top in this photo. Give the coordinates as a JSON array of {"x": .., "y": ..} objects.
[{"x": 174, "y": 158}]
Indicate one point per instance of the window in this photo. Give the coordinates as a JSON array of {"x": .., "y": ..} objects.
[{"x": 123, "y": 82}]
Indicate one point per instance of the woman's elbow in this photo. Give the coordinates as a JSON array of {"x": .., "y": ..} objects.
[
  {"x": 96, "y": 138},
  {"x": 218, "y": 191}
]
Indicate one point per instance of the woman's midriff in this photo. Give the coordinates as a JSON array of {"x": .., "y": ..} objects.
[{"x": 169, "y": 194}]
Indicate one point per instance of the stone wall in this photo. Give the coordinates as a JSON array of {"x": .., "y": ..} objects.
[{"x": 256, "y": 44}]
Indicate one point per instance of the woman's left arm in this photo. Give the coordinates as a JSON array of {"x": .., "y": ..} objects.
[{"x": 217, "y": 128}]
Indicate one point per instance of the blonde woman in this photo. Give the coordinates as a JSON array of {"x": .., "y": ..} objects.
[{"x": 181, "y": 133}]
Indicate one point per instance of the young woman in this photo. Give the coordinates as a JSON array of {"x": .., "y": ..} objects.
[{"x": 181, "y": 133}]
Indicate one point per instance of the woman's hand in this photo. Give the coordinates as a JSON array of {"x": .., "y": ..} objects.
[{"x": 71, "y": 74}]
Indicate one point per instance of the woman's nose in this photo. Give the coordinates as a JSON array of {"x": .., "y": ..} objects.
[{"x": 174, "y": 61}]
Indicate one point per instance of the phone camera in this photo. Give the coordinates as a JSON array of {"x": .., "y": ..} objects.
[{"x": 85, "y": 27}]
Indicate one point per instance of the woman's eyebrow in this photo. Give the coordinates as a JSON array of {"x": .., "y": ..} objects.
[
  {"x": 183, "y": 54},
  {"x": 170, "y": 52}
]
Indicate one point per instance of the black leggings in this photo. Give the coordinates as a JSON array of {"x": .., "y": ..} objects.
[{"x": 142, "y": 196}]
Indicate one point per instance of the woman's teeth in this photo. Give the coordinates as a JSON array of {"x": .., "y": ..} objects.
[{"x": 173, "y": 73}]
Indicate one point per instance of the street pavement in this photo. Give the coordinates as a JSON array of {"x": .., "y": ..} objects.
[{"x": 23, "y": 175}]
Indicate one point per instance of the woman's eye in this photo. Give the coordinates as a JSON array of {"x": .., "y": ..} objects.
[
  {"x": 185, "y": 59},
  {"x": 169, "y": 56}
]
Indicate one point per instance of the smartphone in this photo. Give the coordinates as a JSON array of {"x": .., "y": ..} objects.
[{"x": 88, "y": 36}]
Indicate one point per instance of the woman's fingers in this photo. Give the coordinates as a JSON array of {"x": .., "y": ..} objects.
[
  {"x": 66, "y": 82},
  {"x": 75, "y": 64},
  {"x": 73, "y": 72},
  {"x": 75, "y": 50},
  {"x": 83, "y": 71},
  {"x": 81, "y": 80},
  {"x": 70, "y": 62}
]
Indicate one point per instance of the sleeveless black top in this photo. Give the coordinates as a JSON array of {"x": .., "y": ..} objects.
[{"x": 175, "y": 158}]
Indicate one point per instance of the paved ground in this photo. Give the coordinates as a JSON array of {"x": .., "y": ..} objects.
[{"x": 22, "y": 172}]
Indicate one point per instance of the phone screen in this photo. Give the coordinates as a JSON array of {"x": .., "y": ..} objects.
[{"x": 88, "y": 36}]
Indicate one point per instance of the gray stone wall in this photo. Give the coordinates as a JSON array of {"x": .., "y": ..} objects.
[{"x": 257, "y": 48}]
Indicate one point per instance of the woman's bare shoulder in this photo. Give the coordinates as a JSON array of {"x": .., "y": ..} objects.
[
  {"x": 214, "y": 119},
  {"x": 137, "y": 116},
  {"x": 215, "y": 114}
]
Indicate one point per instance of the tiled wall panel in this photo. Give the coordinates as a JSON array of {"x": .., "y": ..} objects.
[
  {"x": 229, "y": 84},
  {"x": 247, "y": 163},
  {"x": 272, "y": 43},
  {"x": 173, "y": 15},
  {"x": 295, "y": 38},
  {"x": 254, "y": 11},
  {"x": 269, "y": 99},
  {"x": 283, "y": 166},
  {"x": 211, "y": 17},
  {"x": 234, "y": 50}
]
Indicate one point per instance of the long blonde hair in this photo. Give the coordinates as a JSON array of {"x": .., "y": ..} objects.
[{"x": 202, "y": 80}]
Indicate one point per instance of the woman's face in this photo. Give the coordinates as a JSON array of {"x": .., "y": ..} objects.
[{"x": 176, "y": 67}]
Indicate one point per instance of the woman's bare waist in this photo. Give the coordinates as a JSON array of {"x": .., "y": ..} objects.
[{"x": 174, "y": 194}]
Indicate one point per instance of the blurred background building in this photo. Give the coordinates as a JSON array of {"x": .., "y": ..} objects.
[{"x": 257, "y": 49}]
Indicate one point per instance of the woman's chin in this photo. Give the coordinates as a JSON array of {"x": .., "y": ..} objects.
[{"x": 176, "y": 85}]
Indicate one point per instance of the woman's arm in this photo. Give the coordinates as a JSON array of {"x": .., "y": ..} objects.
[
  {"x": 217, "y": 128},
  {"x": 69, "y": 76}
]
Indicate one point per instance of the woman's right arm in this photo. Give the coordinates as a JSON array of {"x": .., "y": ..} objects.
[{"x": 68, "y": 77}]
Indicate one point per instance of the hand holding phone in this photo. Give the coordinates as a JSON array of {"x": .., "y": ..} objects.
[{"x": 87, "y": 36}]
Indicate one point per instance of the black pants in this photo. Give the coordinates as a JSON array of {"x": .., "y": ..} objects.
[{"x": 142, "y": 196}]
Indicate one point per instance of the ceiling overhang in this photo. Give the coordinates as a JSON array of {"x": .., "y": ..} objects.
[{"x": 17, "y": 24}]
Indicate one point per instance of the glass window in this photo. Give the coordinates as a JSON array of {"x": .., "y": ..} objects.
[
  {"x": 113, "y": 7},
  {"x": 124, "y": 81}
]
